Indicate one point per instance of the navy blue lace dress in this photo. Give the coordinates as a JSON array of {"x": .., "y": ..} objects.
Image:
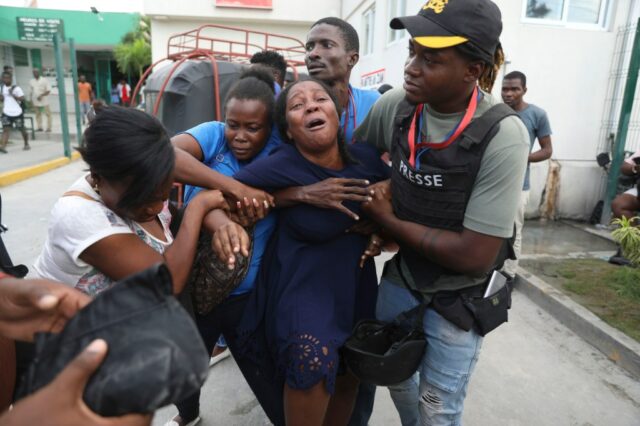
[{"x": 310, "y": 290}]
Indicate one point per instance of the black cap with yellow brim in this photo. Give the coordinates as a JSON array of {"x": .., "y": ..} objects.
[{"x": 446, "y": 23}]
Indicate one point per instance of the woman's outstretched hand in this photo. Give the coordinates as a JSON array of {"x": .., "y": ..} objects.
[{"x": 331, "y": 193}]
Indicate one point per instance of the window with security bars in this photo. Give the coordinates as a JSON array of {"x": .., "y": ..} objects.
[
  {"x": 20, "y": 56},
  {"x": 583, "y": 13}
]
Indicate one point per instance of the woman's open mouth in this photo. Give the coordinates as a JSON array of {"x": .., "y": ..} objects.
[{"x": 315, "y": 124}]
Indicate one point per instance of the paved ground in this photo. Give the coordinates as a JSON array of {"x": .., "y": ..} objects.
[{"x": 532, "y": 371}]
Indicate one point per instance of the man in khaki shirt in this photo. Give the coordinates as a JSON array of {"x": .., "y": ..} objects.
[{"x": 40, "y": 89}]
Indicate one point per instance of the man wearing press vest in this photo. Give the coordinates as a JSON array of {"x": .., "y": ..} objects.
[{"x": 458, "y": 159}]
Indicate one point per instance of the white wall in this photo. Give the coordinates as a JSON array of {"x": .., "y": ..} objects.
[{"x": 567, "y": 74}]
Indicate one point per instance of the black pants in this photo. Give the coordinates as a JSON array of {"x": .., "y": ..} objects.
[
  {"x": 364, "y": 405},
  {"x": 224, "y": 319}
]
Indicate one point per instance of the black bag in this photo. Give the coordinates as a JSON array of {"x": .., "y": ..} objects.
[
  {"x": 468, "y": 308},
  {"x": 156, "y": 356},
  {"x": 450, "y": 306},
  {"x": 489, "y": 312}
]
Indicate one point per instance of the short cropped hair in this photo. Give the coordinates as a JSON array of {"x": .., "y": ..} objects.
[
  {"x": 349, "y": 34},
  {"x": 513, "y": 75},
  {"x": 272, "y": 59}
]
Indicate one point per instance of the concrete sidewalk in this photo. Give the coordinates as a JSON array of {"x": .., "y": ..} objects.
[
  {"x": 44, "y": 155},
  {"x": 532, "y": 371}
]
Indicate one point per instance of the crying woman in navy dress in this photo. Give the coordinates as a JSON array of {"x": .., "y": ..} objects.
[{"x": 311, "y": 290}]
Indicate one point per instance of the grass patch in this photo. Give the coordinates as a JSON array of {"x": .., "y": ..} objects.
[{"x": 611, "y": 292}]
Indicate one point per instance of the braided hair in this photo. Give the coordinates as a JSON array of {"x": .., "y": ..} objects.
[{"x": 492, "y": 65}]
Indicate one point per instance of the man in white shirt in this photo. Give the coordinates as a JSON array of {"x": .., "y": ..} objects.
[
  {"x": 40, "y": 89},
  {"x": 12, "y": 112}
]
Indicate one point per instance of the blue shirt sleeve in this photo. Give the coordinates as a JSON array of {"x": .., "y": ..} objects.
[
  {"x": 210, "y": 137},
  {"x": 354, "y": 115},
  {"x": 364, "y": 101},
  {"x": 543, "y": 128}
]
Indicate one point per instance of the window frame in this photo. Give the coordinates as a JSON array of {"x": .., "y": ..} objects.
[
  {"x": 20, "y": 56},
  {"x": 369, "y": 17},
  {"x": 395, "y": 36},
  {"x": 604, "y": 17}
]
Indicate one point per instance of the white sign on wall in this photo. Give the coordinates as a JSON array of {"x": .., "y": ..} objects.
[{"x": 373, "y": 78}]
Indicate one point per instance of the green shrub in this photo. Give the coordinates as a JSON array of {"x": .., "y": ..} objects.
[{"x": 628, "y": 236}]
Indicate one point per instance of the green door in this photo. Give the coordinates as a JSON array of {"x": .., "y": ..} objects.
[{"x": 103, "y": 80}]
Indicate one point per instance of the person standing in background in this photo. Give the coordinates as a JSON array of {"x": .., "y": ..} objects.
[
  {"x": 12, "y": 111},
  {"x": 275, "y": 63},
  {"x": 85, "y": 94},
  {"x": 40, "y": 90},
  {"x": 124, "y": 92},
  {"x": 514, "y": 87}
]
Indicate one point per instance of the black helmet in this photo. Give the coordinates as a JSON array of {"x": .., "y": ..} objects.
[{"x": 384, "y": 354}]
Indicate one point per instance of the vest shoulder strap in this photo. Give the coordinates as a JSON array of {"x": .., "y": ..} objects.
[
  {"x": 481, "y": 126},
  {"x": 404, "y": 111}
]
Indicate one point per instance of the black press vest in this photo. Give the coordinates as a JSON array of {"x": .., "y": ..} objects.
[{"x": 436, "y": 195}]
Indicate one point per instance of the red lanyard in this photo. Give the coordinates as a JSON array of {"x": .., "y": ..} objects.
[
  {"x": 466, "y": 119},
  {"x": 351, "y": 101},
  {"x": 3, "y": 275}
]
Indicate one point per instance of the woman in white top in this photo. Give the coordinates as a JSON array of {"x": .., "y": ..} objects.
[{"x": 114, "y": 221}]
